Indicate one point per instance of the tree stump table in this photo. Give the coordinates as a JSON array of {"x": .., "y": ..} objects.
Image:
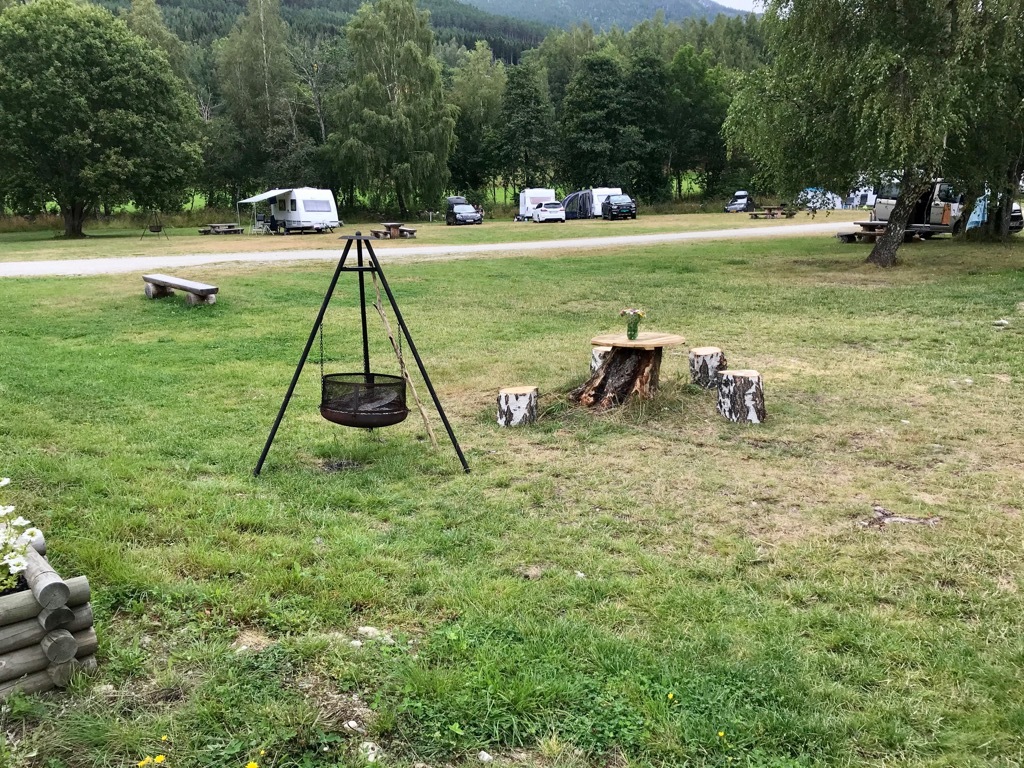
[{"x": 630, "y": 369}]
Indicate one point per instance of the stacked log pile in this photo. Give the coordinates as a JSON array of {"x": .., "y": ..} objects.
[{"x": 46, "y": 631}]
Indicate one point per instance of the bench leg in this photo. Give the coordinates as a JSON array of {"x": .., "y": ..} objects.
[
  {"x": 195, "y": 300},
  {"x": 157, "y": 291}
]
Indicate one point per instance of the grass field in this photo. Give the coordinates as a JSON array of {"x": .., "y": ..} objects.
[
  {"x": 649, "y": 587},
  {"x": 35, "y": 246}
]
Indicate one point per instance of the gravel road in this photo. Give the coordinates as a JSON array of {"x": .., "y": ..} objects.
[{"x": 128, "y": 264}]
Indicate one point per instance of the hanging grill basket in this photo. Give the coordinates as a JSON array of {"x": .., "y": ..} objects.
[{"x": 366, "y": 400}]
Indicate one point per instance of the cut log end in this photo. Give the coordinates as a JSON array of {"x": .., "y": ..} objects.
[
  {"x": 706, "y": 366},
  {"x": 46, "y": 584},
  {"x": 517, "y": 406},
  {"x": 741, "y": 396}
]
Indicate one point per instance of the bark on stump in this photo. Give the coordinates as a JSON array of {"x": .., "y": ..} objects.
[
  {"x": 517, "y": 406},
  {"x": 626, "y": 372},
  {"x": 597, "y": 356},
  {"x": 741, "y": 396},
  {"x": 706, "y": 366}
]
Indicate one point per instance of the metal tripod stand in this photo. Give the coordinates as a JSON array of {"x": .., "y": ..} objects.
[{"x": 361, "y": 268}]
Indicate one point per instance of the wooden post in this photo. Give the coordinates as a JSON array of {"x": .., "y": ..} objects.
[
  {"x": 741, "y": 396},
  {"x": 29, "y": 632},
  {"x": 46, "y": 584},
  {"x": 517, "y": 406},
  {"x": 23, "y": 605},
  {"x": 597, "y": 357},
  {"x": 59, "y": 646},
  {"x": 706, "y": 363}
]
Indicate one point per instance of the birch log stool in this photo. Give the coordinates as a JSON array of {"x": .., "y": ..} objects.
[
  {"x": 597, "y": 356},
  {"x": 517, "y": 406},
  {"x": 630, "y": 370},
  {"x": 741, "y": 396},
  {"x": 706, "y": 365}
]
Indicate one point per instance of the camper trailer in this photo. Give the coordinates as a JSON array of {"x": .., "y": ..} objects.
[
  {"x": 531, "y": 199},
  {"x": 301, "y": 209},
  {"x": 586, "y": 204}
]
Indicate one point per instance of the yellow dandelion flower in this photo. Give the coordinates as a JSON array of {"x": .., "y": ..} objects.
[
  {"x": 721, "y": 734},
  {"x": 252, "y": 764},
  {"x": 159, "y": 758},
  {"x": 263, "y": 752},
  {"x": 163, "y": 738},
  {"x": 145, "y": 761},
  {"x": 671, "y": 696}
]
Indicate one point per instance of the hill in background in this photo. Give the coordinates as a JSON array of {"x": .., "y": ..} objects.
[
  {"x": 201, "y": 21},
  {"x": 600, "y": 14}
]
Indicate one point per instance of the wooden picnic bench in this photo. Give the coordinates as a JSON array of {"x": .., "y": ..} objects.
[
  {"x": 407, "y": 232},
  {"x": 221, "y": 229},
  {"x": 380, "y": 234},
  {"x": 158, "y": 286}
]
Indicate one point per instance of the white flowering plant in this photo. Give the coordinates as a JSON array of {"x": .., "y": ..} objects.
[{"x": 16, "y": 535}]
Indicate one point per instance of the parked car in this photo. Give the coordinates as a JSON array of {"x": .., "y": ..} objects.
[
  {"x": 463, "y": 213},
  {"x": 618, "y": 207},
  {"x": 550, "y": 211},
  {"x": 741, "y": 201}
]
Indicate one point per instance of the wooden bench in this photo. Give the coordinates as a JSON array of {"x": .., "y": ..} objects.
[
  {"x": 205, "y": 230},
  {"x": 380, "y": 234},
  {"x": 407, "y": 232},
  {"x": 158, "y": 286}
]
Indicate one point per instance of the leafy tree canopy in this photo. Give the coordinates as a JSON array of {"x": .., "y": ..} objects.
[{"x": 89, "y": 113}]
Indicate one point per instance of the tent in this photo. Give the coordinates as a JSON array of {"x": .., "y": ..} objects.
[{"x": 298, "y": 209}]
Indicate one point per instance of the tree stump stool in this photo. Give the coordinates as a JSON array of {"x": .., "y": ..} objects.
[
  {"x": 706, "y": 365},
  {"x": 741, "y": 396},
  {"x": 517, "y": 406},
  {"x": 629, "y": 370},
  {"x": 597, "y": 356}
]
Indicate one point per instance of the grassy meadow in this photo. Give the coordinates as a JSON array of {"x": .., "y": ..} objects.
[{"x": 647, "y": 587}]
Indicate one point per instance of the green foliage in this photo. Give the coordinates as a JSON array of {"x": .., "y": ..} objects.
[
  {"x": 593, "y": 118},
  {"x": 396, "y": 132},
  {"x": 697, "y": 106},
  {"x": 89, "y": 113},
  {"x": 645, "y": 135},
  {"x": 526, "y": 132},
  {"x": 145, "y": 19},
  {"x": 477, "y": 91}
]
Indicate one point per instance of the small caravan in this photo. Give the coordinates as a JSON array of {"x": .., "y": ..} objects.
[
  {"x": 586, "y": 204},
  {"x": 532, "y": 199},
  {"x": 299, "y": 209}
]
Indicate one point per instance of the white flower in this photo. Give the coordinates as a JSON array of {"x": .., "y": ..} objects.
[
  {"x": 4, "y": 481},
  {"x": 15, "y": 563},
  {"x": 21, "y": 522},
  {"x": 32, "y": 533},
  {"x": 4, "y": 511}
]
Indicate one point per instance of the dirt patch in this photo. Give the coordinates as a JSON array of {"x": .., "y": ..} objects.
[{"x": 251, "y": 640}]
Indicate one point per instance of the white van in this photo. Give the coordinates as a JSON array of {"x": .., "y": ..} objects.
[{"x": 937, "y": 210}]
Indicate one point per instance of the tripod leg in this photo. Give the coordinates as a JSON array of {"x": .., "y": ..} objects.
[{"x": 302, "y": 360}]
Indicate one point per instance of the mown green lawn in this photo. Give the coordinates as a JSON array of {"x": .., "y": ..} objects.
[{"x": 649, "y": 587}]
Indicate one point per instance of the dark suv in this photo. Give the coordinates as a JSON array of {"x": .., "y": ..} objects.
[
  {"x": 618, "y": 207},
  {"x": 461, "y": 212}
]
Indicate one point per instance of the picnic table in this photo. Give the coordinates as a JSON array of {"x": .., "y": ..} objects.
[
  {"x": 773, "y": 212},
  {"x": 392, "y": 228},
  {"x": 231, "y": 228}
]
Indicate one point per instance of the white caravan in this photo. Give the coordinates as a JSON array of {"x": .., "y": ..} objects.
[
  {"x": 299, "y": 209},
  {"x": 532, "y": 199}
]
